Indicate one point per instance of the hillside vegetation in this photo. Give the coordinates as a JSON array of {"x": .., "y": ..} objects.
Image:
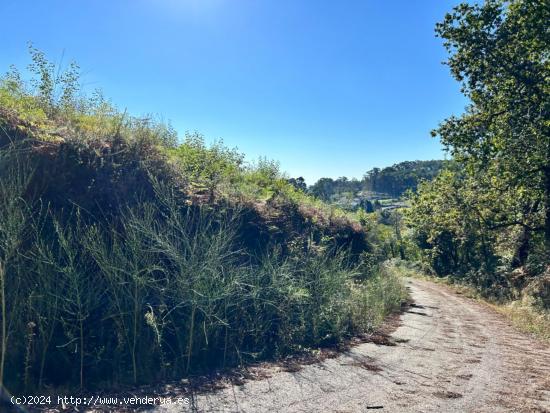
[
  {"x": 392, "y": 181},
  {"x": 129, "y": 256},
  {"x": 487, "y": 222}
]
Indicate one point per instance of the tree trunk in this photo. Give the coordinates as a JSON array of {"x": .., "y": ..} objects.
[{"x": 522, "y": 251}]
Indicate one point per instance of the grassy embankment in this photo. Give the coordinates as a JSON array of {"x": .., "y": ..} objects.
[{"x": 129, "y": 256}]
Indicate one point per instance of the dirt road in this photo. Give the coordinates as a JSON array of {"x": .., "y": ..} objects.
[{"x": 451, "y": 354}]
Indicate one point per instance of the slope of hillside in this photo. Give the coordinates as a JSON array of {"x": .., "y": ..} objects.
[{"x": 127, "y": 256}]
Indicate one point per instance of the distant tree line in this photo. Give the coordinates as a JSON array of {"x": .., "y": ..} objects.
[
  {"x": 326, "y": 188},
  {"x": 394, "y": 180}
]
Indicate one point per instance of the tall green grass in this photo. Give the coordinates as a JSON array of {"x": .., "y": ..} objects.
[{"x": 164, "y": 291}]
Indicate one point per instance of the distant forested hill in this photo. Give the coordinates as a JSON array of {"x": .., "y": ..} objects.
[
  {"x": 396, "y": 179},
  {"x": 393, "y": 180}
]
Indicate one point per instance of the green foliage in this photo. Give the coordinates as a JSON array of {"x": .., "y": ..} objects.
[
  {"x": 499, "y": 52},
  {"x": 207, "y": 166},
  {"x": 449, "y": 226},
  {"x": 53, "y": 107},
  {"x": 208, "y": 172},
  {"x": 393, "y": 181},
  {"x": 264, "y": 180},
  {"x": 298, "y": 183},
  {"x": 14, "y": 181},
  {"x": 488, "y": 221},
  {"x": 55, "y": 89},
  {"x": 386, "y": 283},
  {"x": 327, "y": 188},
  {"x": 14, "y": 97}
]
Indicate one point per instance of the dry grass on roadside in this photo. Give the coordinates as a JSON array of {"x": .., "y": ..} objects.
[
  {"x": 521, "y": 313},
  {"x": 526, "y": 317}
]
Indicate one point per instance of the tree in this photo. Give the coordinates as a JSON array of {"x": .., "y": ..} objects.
[
  {"x": 298, "y": 183},
  {"x": 499, "y": 52},
  {"x": 450, "y": 222},
  {"x": 368, "y": 206},
  {"x": 55, "y": 89},
  {"x": 323, "y": 188},
  {"x": 372, "y": 177}
]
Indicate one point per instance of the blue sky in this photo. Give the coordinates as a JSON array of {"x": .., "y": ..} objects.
[{"x": 328, "y": 88}]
